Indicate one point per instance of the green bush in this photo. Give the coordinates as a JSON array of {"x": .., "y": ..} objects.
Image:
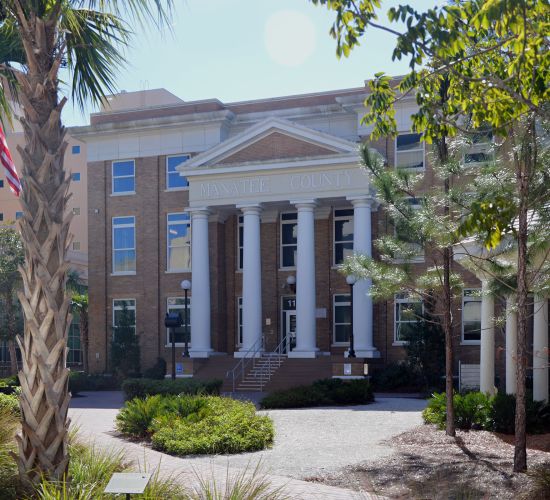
[
  {"x": 185, "y": 424},
  {"x": 10, "y": 402},
  {"x": 157, "y": 371},
  {"x": 141, "y": 387},
  {"x": 397, "y": 376},
  {"x": 80, "y": 381},
  {"x": 223, "y": 426},
  {"x": 475, "y": 410},
  {"x": 327, "y": 392},
  {"x": 9, "y": 385}
]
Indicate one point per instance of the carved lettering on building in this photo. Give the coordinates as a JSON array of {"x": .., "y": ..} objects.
[
  {"x": 320, "y": 180},
  {"x": 241, "y": 187}
]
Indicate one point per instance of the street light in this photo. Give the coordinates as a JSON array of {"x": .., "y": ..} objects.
[
  {"x": 186, "y": 286},
  {"x": 350, "y": 280},
  {"x": 172, "y": 321},
  {"x": 291, "y": 282}
]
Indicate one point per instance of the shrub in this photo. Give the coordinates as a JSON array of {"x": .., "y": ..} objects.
[
  {"x": 81, "y": 381},
  {"x": 400, "y": 376},
  {"x": 10, "y": 403},
  {"x": 157, "y": 371},
  {"x": 9, "y": 385},
  {"x": 141, "y": 387},
  {"x": 325, "y": 392},
  {"x": 227, "y": 426},
  {"x": 475, "y": 410}
]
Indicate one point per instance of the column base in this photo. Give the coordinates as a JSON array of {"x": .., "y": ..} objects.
[
  {"x": 303, "y": 354},
  {"x": 370, "y": 352},
  {"x": 200, "y": 353}
]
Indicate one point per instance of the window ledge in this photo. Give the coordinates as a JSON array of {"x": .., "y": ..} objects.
[
  {"x": 180, "y": 345},
  {"x": 470, "y": 342},
  {"x": 170, "y": 190},
  {"x": 399, "y": 343},
  {"x": 287, "y": 269},
  {"x": 340, "y": 344},
  {"x": 128, "y": 193},
  {"x": 133, "y": 273},
  {"x": 178, "y": 271}
]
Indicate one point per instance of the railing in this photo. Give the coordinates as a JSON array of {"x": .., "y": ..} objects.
[
  {"x": 277, "y": 352},
  {"x": 248, "y": 357}
]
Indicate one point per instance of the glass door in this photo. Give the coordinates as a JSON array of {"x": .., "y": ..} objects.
[{"x": 288, "y": 324}]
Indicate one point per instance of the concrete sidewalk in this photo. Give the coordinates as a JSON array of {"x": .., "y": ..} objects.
[{"x": 308, "y": 442}]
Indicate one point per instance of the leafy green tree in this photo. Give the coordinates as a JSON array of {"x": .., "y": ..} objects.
[
  {"x": 495, "y": 55},
  {"x": 37, "y": 39},
  {"x": 125, "y": 351},
  {"x": 11, "y": 257},
  {"x": 79, "y": 304}
]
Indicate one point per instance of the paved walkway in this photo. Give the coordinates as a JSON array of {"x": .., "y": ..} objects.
[{"x": 308, "y": 442}]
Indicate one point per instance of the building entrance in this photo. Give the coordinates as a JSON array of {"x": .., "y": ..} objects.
[{"x": 288, "y": 333}]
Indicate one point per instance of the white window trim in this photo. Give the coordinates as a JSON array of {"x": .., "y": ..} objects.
[
  {"x": 185, "y": 269},
  {"x": 168, "y": 188},
  {"x": 423, "y": 149},
  {"x": 182, "y": 309},
  {"x": 122, "y": 193},
  {"x": 238, "y": 323},
  {"x": 281, "y": 245},
  {"x": 348, "y": 303},
  {"x": 240, "y": 244},
  {"x": 406, "y": 300},
  {"x": 462, "y": 341},
  {"x": 113, "y": 249},
  {"x": 130, "y": 308},
  {"x": 337, "y": 218},
  {"x": 479, "y": 147}
]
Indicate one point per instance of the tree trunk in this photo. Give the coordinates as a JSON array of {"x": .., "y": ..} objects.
[
  {"x": 12, "y": 330},
  {"x": 44, "y": 229},
  {"x": 84, "y": 338},
  {"x": 524, "y": 160}
]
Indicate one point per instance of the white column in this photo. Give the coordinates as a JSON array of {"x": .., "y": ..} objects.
[
  {"x": 540, "y": 349},
  {"x": 511, "y": 344},
  {"x": 487, "y": 351},
  {"x": 362, "y": 301},
  {"x": 200, "y": 293},
  {"x": 252, "y": 280},
  {"x": 305, "y": 283}
]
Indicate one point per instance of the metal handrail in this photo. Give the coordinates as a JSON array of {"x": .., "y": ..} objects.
[
  {"x": 243, "y": 362},
  {"x": 278, "y": 351}
]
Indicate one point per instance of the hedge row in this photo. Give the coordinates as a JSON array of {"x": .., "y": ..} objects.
[
  {"x": 142, "y": 387},
  {"x": 476, "y": 410},
  {"x": 326, "y": 392},
  {"x": 184, "y": 425}
]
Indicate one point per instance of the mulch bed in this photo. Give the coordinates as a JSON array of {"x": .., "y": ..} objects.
[{"x": 427, "y": 464}]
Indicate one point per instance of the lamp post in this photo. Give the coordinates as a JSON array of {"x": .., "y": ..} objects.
[
  {"x": 291, "y": 282},
  {"x": 350, "y": 280},
  {"x": 172, "y": 321},
  {"x": 186, "y": 286}
]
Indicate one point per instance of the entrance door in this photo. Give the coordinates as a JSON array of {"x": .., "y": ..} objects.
[{"x": 288, "y": 324}]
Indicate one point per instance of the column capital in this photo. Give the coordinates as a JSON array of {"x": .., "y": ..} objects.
[
  {"x": 251, "y": 208},
  {"x": 304, "y": 205},
  {"x": 363, "y": 201},
  {"x": 198, "y": 212}
]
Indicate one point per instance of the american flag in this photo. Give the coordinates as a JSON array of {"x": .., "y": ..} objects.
[{"x": 9, "y": 166}]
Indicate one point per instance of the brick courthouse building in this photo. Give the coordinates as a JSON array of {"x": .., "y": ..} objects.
[{"x": 256, "y": 203}]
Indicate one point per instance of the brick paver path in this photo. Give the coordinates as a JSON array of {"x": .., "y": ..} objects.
[{"x": 308, "y": 442}]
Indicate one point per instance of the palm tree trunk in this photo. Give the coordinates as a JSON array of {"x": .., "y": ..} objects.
[{"x": 45, "y": 232}]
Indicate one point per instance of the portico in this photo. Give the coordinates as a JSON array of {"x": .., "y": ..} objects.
[{"x": 309, "y": 186}]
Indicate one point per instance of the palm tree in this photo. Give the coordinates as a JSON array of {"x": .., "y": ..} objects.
[{"x": 87, "y": 37}]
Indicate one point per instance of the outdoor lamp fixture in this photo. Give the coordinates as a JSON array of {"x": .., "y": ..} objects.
[
  {"x": 350, "y": 280},
  {"x": 172, "y": 321},
  {"x": 186, "y": 286},
  {"x": 291, "y": 282}
]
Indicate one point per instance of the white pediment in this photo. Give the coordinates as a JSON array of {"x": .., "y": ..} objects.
[{"x": 315, "y": 144}]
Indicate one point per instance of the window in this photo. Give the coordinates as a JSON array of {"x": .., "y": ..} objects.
[
  {"x": 1, "y": 216},
  {"x": 409, "y": 151},
  {"x": 402, "y": 232},
  {"x": 75, "y": 150},
  {"x": 1, "y": 183},
  {"x": 76, "y": 211},
  {"x": 343, "y": 235},
  {"x": 75, "y": 176},
  {"x": 118, "y": 313},
  {"x": 289, "y": 239},
  {"x": 178, "y": 240},
  {"x": 471, "y": 316},
  {"x": 342, "y": 319},
  {"x": 177, "y": 305},
  {"x": 74, "y": 356},
  {"x": 76, "y": 245},
  {"x": 408, "y": 312},
  {"x": 239, "y": 321},
  {"x": 173, "y": 178},
  {"x": 240, "y": 242},
  {"x": 124, "y": 245},
  {"x": 480, "y": 149},
  {"x": 18, "y": 215},
  {"x": 124, "y": 177}
]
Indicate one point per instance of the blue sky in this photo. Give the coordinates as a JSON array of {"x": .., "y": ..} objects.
[{"x": 248, "y": 49}]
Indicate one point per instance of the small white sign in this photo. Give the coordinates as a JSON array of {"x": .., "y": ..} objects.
[{"x": 347, "y": 368}]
